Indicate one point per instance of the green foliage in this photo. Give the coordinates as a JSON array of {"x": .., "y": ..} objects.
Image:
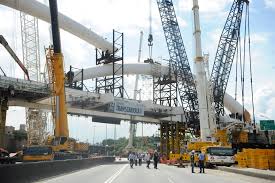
[{"x": 140, "y": 144}]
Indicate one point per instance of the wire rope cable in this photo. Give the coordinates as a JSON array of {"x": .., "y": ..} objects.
[{"x": 251, "y": 75}]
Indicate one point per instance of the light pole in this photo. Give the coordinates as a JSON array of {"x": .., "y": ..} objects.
[
  {"x": 106, "y": 145},
  {"x": 115, "y": 140},
  {"x": 106, "y": 133},
  {"x": 106, "y": 151},
  {"x": 94, "y": 135}
]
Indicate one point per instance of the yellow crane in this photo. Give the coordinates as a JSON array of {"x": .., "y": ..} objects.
[
  {"x": 61, "y": 131},
  {"x": 62, "y": 147}
]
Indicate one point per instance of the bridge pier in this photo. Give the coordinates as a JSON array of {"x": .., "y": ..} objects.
[{"x": 3, "y": 113}]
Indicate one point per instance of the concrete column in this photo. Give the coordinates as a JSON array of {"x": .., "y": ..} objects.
[{"x": 3, "y": 114}]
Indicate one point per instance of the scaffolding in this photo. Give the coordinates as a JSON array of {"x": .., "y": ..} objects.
[
  {"x": 172, "y": 138},
  {"x": 112, "y": 84},
  {"x": 165, "y": 89},
  {"x": 50, "y": 76},
  {"x": 36, "y": 120}
]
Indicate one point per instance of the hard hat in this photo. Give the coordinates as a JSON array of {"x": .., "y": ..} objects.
[{"x": 193, "y": 151}]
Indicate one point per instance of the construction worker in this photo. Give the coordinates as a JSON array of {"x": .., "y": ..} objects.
[
  {"x": 201, "y": 162},
  {"x": 192, "y": 160},
  {"x": 139, "y": 159},
  {"x": 147, "y": 159},
  {"x": 156, "y": 159},
  {"x": 131, "y": 158}
]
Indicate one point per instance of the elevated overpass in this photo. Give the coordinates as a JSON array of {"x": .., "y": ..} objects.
[
  {"x": 152, "y": 69},
  {"x": 38, "y": 95}
]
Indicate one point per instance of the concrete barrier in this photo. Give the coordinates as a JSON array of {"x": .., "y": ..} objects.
[
  {"x": 30, "y": 172},
  {"x": 248, "y": 173}
]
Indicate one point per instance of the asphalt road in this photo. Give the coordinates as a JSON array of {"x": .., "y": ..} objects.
[{"x": 122, "y": 173}]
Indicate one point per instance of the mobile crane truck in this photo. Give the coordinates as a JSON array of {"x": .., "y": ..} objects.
[{"x": 59, "y": 146}]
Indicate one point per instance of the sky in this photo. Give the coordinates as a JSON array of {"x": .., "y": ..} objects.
[{"x": 131, "y": 17}]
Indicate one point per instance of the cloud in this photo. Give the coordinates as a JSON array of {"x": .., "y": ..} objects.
[
  {"x": 270, "y": 4},
  {"x": 209, "y": 9},
  {"x": 182, "y": 22},
  {"x": 265, "y": 100},
  {"x": 105, "y": 15},
  {"x": 260, "y": 38}
]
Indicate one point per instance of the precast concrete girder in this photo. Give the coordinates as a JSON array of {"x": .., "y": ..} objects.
[
  {"x": 86, "y": 112},
  {"x": 149, "y": 69}
]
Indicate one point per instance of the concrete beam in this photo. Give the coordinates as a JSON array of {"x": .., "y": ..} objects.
[{"x": 85, "y": 112}]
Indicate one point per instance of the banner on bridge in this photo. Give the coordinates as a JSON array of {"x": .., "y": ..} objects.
[{"x": 129, "y": 107}]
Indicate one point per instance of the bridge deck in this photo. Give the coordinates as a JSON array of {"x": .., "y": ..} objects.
[
  {"x": 38, "y": 95},
  {"x": 23, "y": 89}
]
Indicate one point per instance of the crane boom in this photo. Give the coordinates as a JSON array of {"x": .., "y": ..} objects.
[
  {"x": 179, "y": 61},
  {"x": 225, "y": 54},
  {"x": 133, "y": 126},
  {"x": 200, "y": 76},
  {"x": 61, "y": 145},
  {"x": 61, "y": 124},
  {"x": 14, "y": 56},
  {"x": 150, "y": 36}
]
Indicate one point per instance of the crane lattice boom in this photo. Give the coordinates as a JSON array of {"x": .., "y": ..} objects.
[
  {"x": 179, "y": 61},
  {"x": 225, "y": 54}
]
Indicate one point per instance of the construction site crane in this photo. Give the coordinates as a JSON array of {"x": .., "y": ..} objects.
[
  {"x": 201, "y": 77},
  {"x": 133, "y": 125},
  {"x": 14, "y": 56},
  {"x": 231, "y": 136},
  {"x": 36, "y": 120},
  {"x": 179, "y": 62},
  {"x": 61, "y": 123},
  {"x": 225, "y": 54},
  {"x": 63, "y": 147},
  {"x": 150, "y": 36}
]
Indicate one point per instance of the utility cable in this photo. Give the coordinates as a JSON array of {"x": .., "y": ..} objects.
[
  {"x": 150, "y": 36},
  {"x": 236, "y": 74},
  {"x": 251, "y": 76},
  {"x": 244, "y": 59},
  {"x": 240, "y": 59}
]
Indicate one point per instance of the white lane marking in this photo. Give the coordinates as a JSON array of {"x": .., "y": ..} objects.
[
  {"x": 113, "y": 177},
  {"x": 170, "y": 180}
]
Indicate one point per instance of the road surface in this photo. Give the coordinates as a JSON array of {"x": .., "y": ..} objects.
[{"x": 122, "y": 173}]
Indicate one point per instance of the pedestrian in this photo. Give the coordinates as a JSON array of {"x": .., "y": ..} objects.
[
  {"x": 131, "y": 159},
  {"x": 136, "y": 159},
  {"x": 156, "y": 159},
  {"x": 201, "y": 162},
  {"x": 139, "y": 159},
  {"x": 147, "y": 159},
  {"x": 192, "y": 160}
]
